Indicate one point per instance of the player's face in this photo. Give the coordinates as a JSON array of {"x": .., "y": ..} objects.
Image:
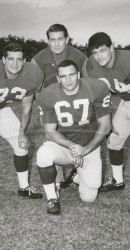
[
  {"x": 57, "y": 42},
  {"x": 104, "y": 55},
  {"x": 13, "y": 63},
  {"x": 69, "y": 78}
]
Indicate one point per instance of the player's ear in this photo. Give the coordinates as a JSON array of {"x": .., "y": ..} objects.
[
  {"x": 67, "y": 39},
  {"x": 112, "y": 47},
  {"x": 58, "y": 79},
  {"x": 78, "y": 75},
  {"x": 24, "y": 60},
  {"x": 3, "y": 59}
]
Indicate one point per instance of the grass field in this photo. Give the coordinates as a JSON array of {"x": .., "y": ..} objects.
[{"x": 25, "y": 225}]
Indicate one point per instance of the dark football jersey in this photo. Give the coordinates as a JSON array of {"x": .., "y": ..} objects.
[
  {"x": 119, "y": 71},
  {"x": 76, "y": 115},
  {"x": 28, "y": 81},
  {"x": 48, "y": 65}
]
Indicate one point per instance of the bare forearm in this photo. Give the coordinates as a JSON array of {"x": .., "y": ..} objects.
[
  {"x": 97, "y": 139},
  {"x": 58, "y": 138},
  {"x": 25, "y": 119}
]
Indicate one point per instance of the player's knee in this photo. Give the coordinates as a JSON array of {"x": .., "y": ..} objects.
[
  {"x": 89, "y": 196},
  {"x": 45, "y": 156},
  {"x": 115, "y": 142}
]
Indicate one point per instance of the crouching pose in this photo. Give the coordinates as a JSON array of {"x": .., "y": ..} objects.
[
  {"x": 76, "y": 119},
  {"x": 19, "y": 81}
]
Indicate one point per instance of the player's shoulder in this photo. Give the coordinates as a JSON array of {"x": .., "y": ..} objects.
[
  {"x": 122, "y": 55},
  {"x": 49, "y": 95},
  {"x": 75, "y": 51},
  {"x": 42, "y": 54},
  {"x": 50, "y": 90},
  {"x": 91, "y": 60},
  {"x": 97, "y": 86},
  {"x": 31, "y": 71}
]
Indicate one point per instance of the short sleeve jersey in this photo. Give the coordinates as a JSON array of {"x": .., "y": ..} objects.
[
  {"x": 76, "y": 115},
  {"x": 45, "y": 61},
  {"x": 28, "y": 82},
  {"x": 119, "y": 71}
]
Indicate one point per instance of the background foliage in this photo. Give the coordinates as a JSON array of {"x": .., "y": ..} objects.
[{"x": 32, "y": 47}]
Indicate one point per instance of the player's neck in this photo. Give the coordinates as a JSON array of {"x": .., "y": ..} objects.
[
  {"x": 59, "y": 57},
  {"x": 72, "y": 92},
  {"x": 10, "y": 75},
  {"x": 111, "y": 62}
]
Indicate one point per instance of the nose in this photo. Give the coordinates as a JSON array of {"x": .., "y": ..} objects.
[
  {"x": 99, "y": 55},
  {"x": 68, "y": 78},
  {"x": 56, "y": 42},
  {"x": 15, "y": 62}
]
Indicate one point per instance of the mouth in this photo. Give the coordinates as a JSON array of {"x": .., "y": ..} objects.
[
  {"x": 69, "y": 85},
  {"x": 101, "y": 61}
]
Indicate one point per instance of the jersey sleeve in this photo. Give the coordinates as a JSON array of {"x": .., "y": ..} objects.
[
  {"x": 37, "y": 83},
  {"x": 103, "y": 103},
  {"x": 46, "y": 107}
]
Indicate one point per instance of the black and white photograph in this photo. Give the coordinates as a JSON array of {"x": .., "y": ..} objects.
[{"x": 65, "y": 125}]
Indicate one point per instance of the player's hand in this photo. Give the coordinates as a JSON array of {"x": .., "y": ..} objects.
[
  {"x": 77, "y": 150},
  {"x": 121, "y": 87},
  {"x": 78, "y": 161},
  {"x": 23, "y": 142}
]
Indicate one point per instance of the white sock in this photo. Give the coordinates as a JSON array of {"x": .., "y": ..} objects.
[
  {"x": 50, "y": 191},
  {"x": 57, "y": 185},
  {"x": 23, "y": 179},
  {"x": 117, "y": 173}
]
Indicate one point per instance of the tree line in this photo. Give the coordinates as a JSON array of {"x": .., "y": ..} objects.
[{"x": 32, "y": 47}]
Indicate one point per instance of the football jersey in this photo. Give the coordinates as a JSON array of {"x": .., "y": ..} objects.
[
  {"x": 76, "y": 115},
  {"x": 119, "y": 71},
  {"x": 47, "y": 62},
  {"x": 28, "y": 81}
]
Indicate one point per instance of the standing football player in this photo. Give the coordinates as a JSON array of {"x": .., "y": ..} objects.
[
  {"x": 82, "y": 114},
  {"x": 19, "y": 80},
  {"x": 48, "y": 59},
  {"x": 113, "y": 67}
]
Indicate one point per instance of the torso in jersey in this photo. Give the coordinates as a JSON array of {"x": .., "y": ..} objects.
[
  {"x": 75, "y": 115},
  {"x": 119, "y": 71}
]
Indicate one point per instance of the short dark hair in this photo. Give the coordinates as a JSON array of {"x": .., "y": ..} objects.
[
  {"x": 66, "y": 63},
  {"x": 99, "y": 39},
  {"x": 12, "y": 47},
  {"x": 56, "y": 28}
]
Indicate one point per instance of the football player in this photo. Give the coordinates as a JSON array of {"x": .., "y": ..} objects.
[
  {"x": 19, "y": 80},
  {"x": 113, "y": 67},
  {"x": 48, "y": 59},
  {"x": 82, "y": 114}
]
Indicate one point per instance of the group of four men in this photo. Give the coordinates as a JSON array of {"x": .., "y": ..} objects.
[{"x": 73, "y": 95}]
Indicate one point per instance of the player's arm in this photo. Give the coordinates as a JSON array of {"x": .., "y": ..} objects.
[
  {"x": 53, "y": 135},
  {"x": 103, "y": 114},
  {"x": 34, "y": 62},
  {"x": 104, "y": 128},
  {"x": 84, "y": 71},
  {"x": 122, "y": 87},
  {"x": 25, "y": 119}
]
